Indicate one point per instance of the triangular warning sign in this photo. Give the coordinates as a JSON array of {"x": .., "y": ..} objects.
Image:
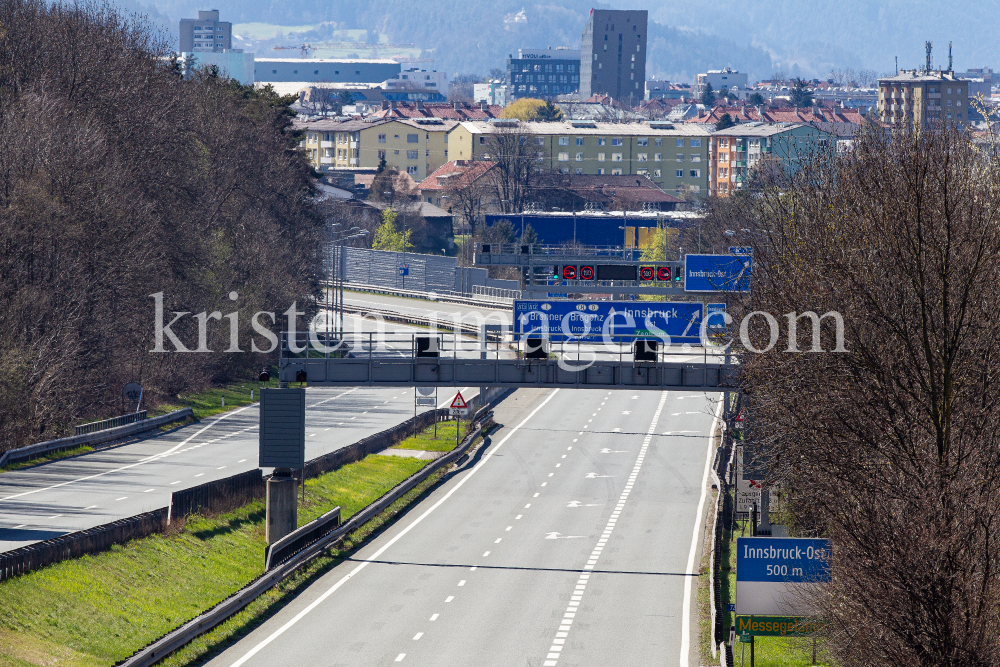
[{"x": 459, "y": 402}]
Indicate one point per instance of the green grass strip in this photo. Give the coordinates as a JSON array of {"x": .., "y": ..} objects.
[
  {"x": 425, "y": 440},
  {"x": 100, "y": 609}
]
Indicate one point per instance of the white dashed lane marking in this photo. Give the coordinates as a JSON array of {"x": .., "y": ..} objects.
[{"x": 555, "y": 650}]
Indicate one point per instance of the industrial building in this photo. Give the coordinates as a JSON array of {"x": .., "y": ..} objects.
[{"x": 315, "y": 70}]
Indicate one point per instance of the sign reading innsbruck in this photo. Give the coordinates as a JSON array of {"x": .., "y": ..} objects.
[
  {"x": 717, "y": 273},
  {"x": 595, "y": 320},
  {"x": 774, "y": 575}
]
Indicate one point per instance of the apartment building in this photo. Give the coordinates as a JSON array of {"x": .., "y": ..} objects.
[
  {"x": 205, "y": 33},
  {"x": 613, "y": 54},
  {"x": 674, "y": 157},
  {"x": 737, "y": 151},
  {"x": 543, "y": 72},
  {"x": 417, "y": 147},
  {"x": 918, "y": 97}
]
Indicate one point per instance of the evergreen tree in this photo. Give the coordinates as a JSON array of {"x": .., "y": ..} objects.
[
  {"x": 708, "y": 95},
  {"x": 724, "y": 122}
]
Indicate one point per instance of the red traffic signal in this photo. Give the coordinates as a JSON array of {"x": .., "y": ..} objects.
[
  {"x": 663, "y": 273},
  {"x": 587, "y": 272},
  {"x": 646, "y": 273},
  {"x": 569, "y": 272}
]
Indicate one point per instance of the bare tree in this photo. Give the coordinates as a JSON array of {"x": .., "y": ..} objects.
[
  {"x": 515, "y": 153},
  {"x": 891, "y": 446}
]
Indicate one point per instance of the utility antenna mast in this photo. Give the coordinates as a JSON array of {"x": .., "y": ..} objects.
[
  {"x": 928, "y": 45},
  {"x": 950, "y": 69}
]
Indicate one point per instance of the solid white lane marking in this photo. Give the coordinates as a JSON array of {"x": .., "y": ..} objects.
[
  {"x": 563, "y": 456},
  {"x": 172, "y": 483},
  {"x": 360, "y": 566},
  {"x": 148, "y": 490},
  {"x": 199, "y": 474},
  {"x": 434, "y": 617},
  {"x": 545, "y": 483},
  {"x": 449, "y": 598},
  {"x": 497, "y": 541},
  {"x": 399, "y": 658},
  {"x": 122, "y": 498},
  {"x": 485, "y": 554},
  {"x": 534, "y": 496},
  {"x": 570, "y": 447},
  {"x": 90, "y": 508},
  {"x": 518, "y": 517},
  {"x": 220, "y": 467},
  {"x": 551, "y": 473},
  {"x": 418, "y": 636},
  {"x": 55, "y": 516},
  {"x": 508, "y": 527},
  {"x": 462, "y": 582},
  {"x": 242, "y": 461},
  {"x": 559, "y": 464},
  {"x": 686, "y": 609},
  {"x": 154, "y": 457},
  {"x": 552, "y": 658}
]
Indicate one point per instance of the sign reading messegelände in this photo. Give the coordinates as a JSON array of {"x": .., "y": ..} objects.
[
  {"x": 774, "y": 575},
  {"x": 777, "y": 626}
]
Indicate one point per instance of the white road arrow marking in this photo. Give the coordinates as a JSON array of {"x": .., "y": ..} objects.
[
  {"x": 560, "y": 536},
  {"x": 594, "y": 475},
  {"x": 627, "y": 412},
  {"x": 635, "y": 398},
  {"x": 613, "y": 451},
  {"x": 577, "y": 503}
]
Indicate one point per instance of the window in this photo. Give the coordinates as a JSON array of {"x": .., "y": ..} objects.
[
  {"x": 381, "y": 155},
  {"x": 412, "y": 155},
  {"x": 616, "y": 172},
  {"x": 642, "y": 141},
  {"x": 616, "y": 157},
  {"x": 680, "y": 157},
  {"x": 658, "y": 142},
  {"x": 412, "y": 169},
  {"x": 601, "y": 141},
  {"x": 680, "y": 173},
  {"x": 696, "y": 173},
  {"x": 680, "y": 143},
  {"x": 642, "y": 172},
  {"x": 579, "y": 141},
  {"x": 657, "y": 157},
  {"x": 571, "y": 68},
  {"x": 564, "y": 141},
  {"x": 381, "y": 138},
  {"x": 564, "y": 157},
  {"x": 656, "y": 173},
  {"x": 579, "y": 171},
  {"x": 446, "y": 154},
  {"x": 617, "y": 141},
  {"x": 579, "y": 157},
  {"x": 600, "y": 171},
  {"x": 412, "y": 138},
  {"x": 723, "y": 157},
  {"x": 642, "y": 157},
  {"x": 695, "y": 158},
  {"x": 428, "y": 153},
  {"x": 395, "y": 152},
  {"x": 395, "y": 136},
  {"x": 724, "y": 142},
  {"x": 482, "y": 141},
  {"x": 600, "y": 157},
  {"x": 539, "y": 141}
]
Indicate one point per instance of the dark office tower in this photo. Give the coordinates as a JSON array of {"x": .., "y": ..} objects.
[{"x": 613, "y": 54}]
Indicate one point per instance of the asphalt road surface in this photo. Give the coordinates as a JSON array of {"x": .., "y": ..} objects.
[{"x": 571, "y": 538}]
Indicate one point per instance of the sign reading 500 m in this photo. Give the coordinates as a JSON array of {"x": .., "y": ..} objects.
[{"x": 680, "y": 322}]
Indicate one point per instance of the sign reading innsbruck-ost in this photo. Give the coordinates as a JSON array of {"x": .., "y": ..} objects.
[
  {"x": 774, "y": 575},
  {"x": 595, "y": 320}
]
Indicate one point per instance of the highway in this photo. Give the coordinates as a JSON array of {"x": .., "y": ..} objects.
[
  {"x": 571, "y": 539},
  {"x": 443, "y": 310},
  {"x": 81, "y": 492}
]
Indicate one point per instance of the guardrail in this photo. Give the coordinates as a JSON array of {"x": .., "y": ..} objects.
[
  {"x": 74, "y": 545},
  {"x": 300, "y": 538},
  {"x": 105, "y": 424},
  {"x": 38, "y": 449},
  {"x": 201, "y": 624},
  {"x": 446, "y": 297},
  {"x": 495, "y": 294}
]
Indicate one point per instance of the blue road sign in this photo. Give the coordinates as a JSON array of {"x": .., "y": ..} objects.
[
  {"x": 404, "y": 269},
  {"x": 740, "y": 250},
  {"x": 592, "y": 320},
  {"x": 717, "y": 273},
  {"x": 773, "y": 574},
  {"x": 715, "y": 320}
]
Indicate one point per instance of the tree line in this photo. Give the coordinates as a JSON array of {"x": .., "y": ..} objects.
[{"x": 119, "y": 179}]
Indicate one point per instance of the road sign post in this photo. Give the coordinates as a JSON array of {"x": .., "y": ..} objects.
[
  {"x": 282, "y": 446},
  {"x": 458, "y": 408},
  {"x": 774, "y": 574}
]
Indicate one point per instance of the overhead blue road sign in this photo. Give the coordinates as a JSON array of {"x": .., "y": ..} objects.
[
  {"x": 593, "y": 320},
  {"x": 773, "y": 574},
  {"x": 404, "y": 269},
  {"x": 717, "y": 273}
]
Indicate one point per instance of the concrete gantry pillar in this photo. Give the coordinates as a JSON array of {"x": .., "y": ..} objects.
[{"x": 282, "y": 507}]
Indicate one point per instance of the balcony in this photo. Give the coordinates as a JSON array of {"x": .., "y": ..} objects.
[
  {"x": 326, "y": 160},
  {"x": 354, "y": 162},
  {"x": 934, "y": 96},
  {"x": 355, "y": 144},
  {"x": 326, "y": 144}
]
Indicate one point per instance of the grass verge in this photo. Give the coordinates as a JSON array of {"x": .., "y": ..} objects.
[
  {"x": 100, "y": 609},
  {"x": 425, "y": 440},
  {"x": 768, "y": 651}
]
